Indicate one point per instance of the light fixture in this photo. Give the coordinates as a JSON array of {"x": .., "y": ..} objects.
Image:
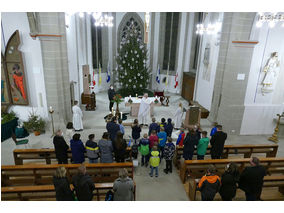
[
  {"x": 271, "y": 18},
  {"x": 81, "y": 14},
  {"x": 210, "y": 29},
  {"x": 102, "y": 20}
]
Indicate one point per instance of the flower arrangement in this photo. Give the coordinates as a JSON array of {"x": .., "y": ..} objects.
[
  {"x": 117, "y": 99},
  {"x": 35, "y": 123},
  {"x": 156, "y": 101}
]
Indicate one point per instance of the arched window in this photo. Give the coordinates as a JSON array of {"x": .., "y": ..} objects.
[
  {"x": 125, "y": 23},
  {"x": 169, "y": 40}
]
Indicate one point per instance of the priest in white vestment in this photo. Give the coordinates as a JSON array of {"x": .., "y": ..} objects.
[
  {"x": 77, "y": 117},
  {"x": 178, "y": 116},
  {"x": 144, "y": 110}
]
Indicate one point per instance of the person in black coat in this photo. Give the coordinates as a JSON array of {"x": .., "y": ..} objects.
[
  {"x": 136, "y": 129},
  {"x": 83, "y": 185},
  {"x": 111, "y": 94},
  {"x": 190, "y": 141},
  {"x": 229, "y": 182},
  {"x": 61, "y": 185},
  {"x": 217, "y": 142},
  {"x": 112, "y": 128},
  {"x": 120, "y": 147},
  {"x": 60, "y": 147},
  {"x": 251, "y": 180},
  {"x": 169, "y": 127}
]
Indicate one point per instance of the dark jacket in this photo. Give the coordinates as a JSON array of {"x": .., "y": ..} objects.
[
  {"x": 136, "y": 132},
  {"x": 84, "y": 186},
  {"x": 229, "y": 185},
  {"x": 251, "y": 179},
  {"x": 217, "y": 142},
  {"x": 60, "y": 147},
  {"x": 92, "y": 149},
  {"x": 169, "y": 128},
  {"x": 209, "y": 185},
  {"x": 169, "y": 151},
  {"x": 112, "y": 129},
  {"x": 153, "y": 126},
  {"x": 62, "y": 189},
  {"x": 78, "y": 150},
  {"x": 189, "y": 142},
  {"x": 111, "y": 94},
  {"x": 120, "y": 153}
]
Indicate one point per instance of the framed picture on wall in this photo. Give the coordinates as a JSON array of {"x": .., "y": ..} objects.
[
  {"x": 5, "y": 89},
  {"x": 15, "y": 71}
]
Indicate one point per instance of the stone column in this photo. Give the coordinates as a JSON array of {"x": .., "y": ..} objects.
[
  {"x": 55, "y": 65},
  {"x": 229, "y": 93}
]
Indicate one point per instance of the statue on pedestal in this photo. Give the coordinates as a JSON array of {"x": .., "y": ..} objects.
[{"x": 271, "y": 72}]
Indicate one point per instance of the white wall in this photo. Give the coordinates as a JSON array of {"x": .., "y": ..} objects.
[
  {"x": 260, "y": 110},
  {"x": 31, "y": 51},
  {"x": 204, "y": 88}
]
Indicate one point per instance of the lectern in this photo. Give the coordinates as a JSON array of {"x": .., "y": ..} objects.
[{"x": 192, "y": 117}]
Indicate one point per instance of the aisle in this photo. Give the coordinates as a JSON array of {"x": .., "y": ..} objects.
[{"x": 166, "y": 187}]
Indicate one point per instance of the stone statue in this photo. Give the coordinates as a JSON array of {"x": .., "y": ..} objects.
[{"x": 270, "y": 76}]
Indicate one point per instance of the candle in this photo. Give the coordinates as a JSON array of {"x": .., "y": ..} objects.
[
  {"x": 156, "y": 97},
  {"x": 110, "y": 113},
  {"x": 120, "y": 115},
  {"x": 136, "y": 94},
  {"x": 50, "y": 109}
]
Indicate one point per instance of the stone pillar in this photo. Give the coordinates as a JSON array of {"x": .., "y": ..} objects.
[
  {"x": 229, "y": 93},
  {"x": 55, "y": 65}
]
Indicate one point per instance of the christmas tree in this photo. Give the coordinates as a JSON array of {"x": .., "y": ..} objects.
[{"x": 131, "y": 63}]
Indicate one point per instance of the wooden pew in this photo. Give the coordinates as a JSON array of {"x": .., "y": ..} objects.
[
  {"x": 268, "y": 181},
  {"x": 197, "y": 168},
  {"x": 25, "y": 193},
  {"x": 247, "y": 150},
  {"x": 39, "y": 174},
  {"x": 46, "y": 154}
]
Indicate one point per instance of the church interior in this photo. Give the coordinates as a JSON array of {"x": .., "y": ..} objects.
[{"x": 218, "y": 68}]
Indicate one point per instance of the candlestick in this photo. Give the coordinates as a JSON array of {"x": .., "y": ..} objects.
[{"x": 51, "y": 112}]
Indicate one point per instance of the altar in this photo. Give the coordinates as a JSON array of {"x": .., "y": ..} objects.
[{"x": 136, "y": 104}]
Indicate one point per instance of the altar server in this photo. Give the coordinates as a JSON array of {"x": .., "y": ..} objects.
[
  {"x": 144, "y": 110},
  {"x": 178, "y": 117},
  {"x": 77, "y": 117}
]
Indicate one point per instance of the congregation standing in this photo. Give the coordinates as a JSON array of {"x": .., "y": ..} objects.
[{"x": 153, "y": 148}]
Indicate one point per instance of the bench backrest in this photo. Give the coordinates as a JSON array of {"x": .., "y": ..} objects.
[
  {"x": 247, "y": 149},
  {"x": 197, "y": 168},
  {"x": 46, "y": 154},
  {"x": 38, "y": 174}
]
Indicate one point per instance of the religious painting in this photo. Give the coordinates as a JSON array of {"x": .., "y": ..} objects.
[
  {"x": 5, "y": 93},
  {"x": 206, "y": 62},
  {"x": 15, "y": 71}
]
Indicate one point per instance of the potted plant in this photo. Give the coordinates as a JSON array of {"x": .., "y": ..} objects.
[
  {"x": 9, "y": 121},
  {"x": 35, "y": 124},
  {"x": 117, "y": 99}
]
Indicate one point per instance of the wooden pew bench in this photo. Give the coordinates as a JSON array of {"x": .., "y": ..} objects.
[
  {"x": 197, "y": 168},
  {"x": 268, "y": 181},
  {"x": 247, "y": 150},
  {"x": 39, "y": 174},
  {"x": 47, "y": 192},
  {"x": 44, "y": 154}
]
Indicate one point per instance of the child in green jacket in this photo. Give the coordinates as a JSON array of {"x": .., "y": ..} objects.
[
  {"x": 154, "y": 161},
  {"x": 202, "y": 146}
]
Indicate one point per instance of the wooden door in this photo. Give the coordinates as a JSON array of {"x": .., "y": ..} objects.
[{"x": 188, "y": 86}]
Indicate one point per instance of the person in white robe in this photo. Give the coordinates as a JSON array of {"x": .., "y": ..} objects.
[
  {"x": 77, "y": 117},
  {"x": 178, "y": 117},
  {"x": 144, "y": 110}
]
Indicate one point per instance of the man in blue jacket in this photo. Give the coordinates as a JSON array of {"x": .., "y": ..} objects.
[{"x": 162, "y": 135}]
